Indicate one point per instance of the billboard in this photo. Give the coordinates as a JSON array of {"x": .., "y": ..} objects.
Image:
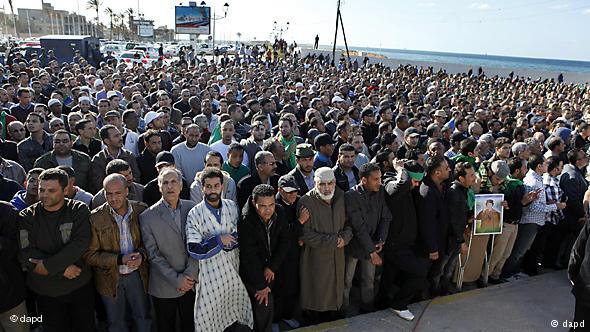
[
  {"x": 192, "y": 20},
  {"x": 146, "y": 31}
]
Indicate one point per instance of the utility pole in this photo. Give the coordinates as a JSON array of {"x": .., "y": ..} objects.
[{"x": 339, "y": 20}]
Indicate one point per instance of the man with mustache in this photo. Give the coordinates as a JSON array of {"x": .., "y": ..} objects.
[{"x": 322, "y": 260}]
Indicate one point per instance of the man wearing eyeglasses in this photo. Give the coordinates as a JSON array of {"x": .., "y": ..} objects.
[{"x": 264, "y": 173}]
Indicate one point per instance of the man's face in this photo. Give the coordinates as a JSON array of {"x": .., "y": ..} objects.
[
  {"x": 192, "y": 135},
  {"x": 469, "y": 178},
  {"x": 128, "y": 174},
  {"x": 436, "y": 149},
  {"x": 258, "y": 132},
  {"x": 170, "y": 187},
  {"x": 213, "y": 162},
  {"x": 34, "y": 124},
  {"x": 288, "y": 197},
  {"x": 56, "y": 125},
  {"x": 326, "y": 188},
  {"x": 235, "y": 157},
  {"x": 373, "y": 181},
  {"x": 16, "y": 131},
  {"x": 25, "y": 98},
  {"x": 103, "y": 107},
  {"x": 32, "y": 185},
  {"x": 358, "y": 142},
  {"x": 62, "y": 144},
  {"x": 504, "y": 151},
  {"x": 212, "y": 189},
  {"x": 265, "y": 207},
  {"x": 116, "y": 194},
  {"x": 154, "y": 145},
  {"x": 51, "y": 193},
  {"x": 114, "y": 140},
  {"x": 327, "y": 149},
  {"x": 413, "y": 140},
  {"x": 444, "y": 170},
  {"x": 227, "y": 132},
  {"x": 268, "y": 166},
  {"x": 346, "y": 159},
  {"x": 305, "y": 164},
  {"x": 285, "y": 128}
]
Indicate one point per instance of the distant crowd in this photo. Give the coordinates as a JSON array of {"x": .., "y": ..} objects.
[{"x": 267, "y": 191}]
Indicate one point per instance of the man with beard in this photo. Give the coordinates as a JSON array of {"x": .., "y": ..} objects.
[
  {"x": 324, "y": 236},
  {"x": 190, "y": 155},
  {"x": 221, "y": 298},
  {"x": 303, "y": 172},
  {"x": 347, "y": 175},
  {"x": 411, "y": 140}
]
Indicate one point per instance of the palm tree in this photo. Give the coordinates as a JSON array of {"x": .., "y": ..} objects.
[
  {"x": 130, "y": 13},
  {"x": 13, "y": 18},
  {"x": 109, "y": 11},
  {"x": 95, "y": 5},
  {"x": 121, "y": 19}
]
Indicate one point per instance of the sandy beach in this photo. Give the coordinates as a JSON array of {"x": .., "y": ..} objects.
[{"x": 573, "y": 77}]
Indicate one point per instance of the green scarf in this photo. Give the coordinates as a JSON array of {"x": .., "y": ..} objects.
[
  {"x": 215, "y": 135},
  {"x": 470, "y": 198},
  {"x": 3, "y": 121}
]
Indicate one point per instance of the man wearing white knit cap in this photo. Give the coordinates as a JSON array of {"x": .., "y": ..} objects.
[{"x": 324, "y": 236}]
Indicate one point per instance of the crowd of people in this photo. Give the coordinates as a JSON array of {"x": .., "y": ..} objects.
[{"x": 274, "y": 188}]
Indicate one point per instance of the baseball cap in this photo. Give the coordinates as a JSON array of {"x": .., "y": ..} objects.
[
  {"x": 112, "y": 94},
  {"x": 98, "y": 82},
  {"x": 440, "y": 113},
  {"x": 288, "y": 183},
  {"x": 304, "y": 150},
  {"x": 164, "y": 157},
  {"x": 112, "y": 113},
  {"x": 411, "y": 131},
  {"x": 337, "y": 99},
  {"x": 151, "y": 116},
  {"x": 321, "y": 140}
]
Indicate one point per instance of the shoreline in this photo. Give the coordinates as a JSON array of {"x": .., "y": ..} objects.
[{"x": 453, "y": 68}]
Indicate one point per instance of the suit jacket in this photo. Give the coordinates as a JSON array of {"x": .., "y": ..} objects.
[
  {"x": 300, "y": 181},
  {"x": 99, "y": 164},
  {"x": 165, "y": 245},
  {"x": 342, "y": 179}
]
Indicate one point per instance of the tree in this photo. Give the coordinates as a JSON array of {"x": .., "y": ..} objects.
[
  {"x": 95, "y": 5},
  {"x": 13, "y": 18},
  {"x": 109, "y": 11},
  {"x": 130, "y": 13},
  {"x": 121, "y": 19}
]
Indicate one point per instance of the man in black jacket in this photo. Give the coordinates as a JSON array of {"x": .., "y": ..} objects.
[
  {"x": 12, "y": 283},
  {"x": 433, "y": 218},
  {"x": 404, "y": 270},
  {"x": 369, "y": 217},
  {"x": 347, "y": 175},
  {"x": 460, "y": 205},
  {"x": 151, "y": 192},
  {"x": 264, "y": 241},
  {"x": 287, "y": 284},
  {"x": 579, "y": 275},
  {"x": 303, "y": 172}
]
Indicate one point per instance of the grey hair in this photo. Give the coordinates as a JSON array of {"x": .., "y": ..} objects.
[
  {"x": 166, "y": 171},
  {"x": 261, "y": 157},
  {"x": 113, "y": 178},
  {"x": 519, "y": 147}
]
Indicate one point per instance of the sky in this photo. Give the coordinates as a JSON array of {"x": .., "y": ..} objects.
[{"x": 555, "y": 29}]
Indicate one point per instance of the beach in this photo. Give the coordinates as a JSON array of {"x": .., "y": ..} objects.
[{"x": 452, "y": 68}]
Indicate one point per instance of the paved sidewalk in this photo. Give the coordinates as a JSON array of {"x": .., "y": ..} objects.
[{"x": 524, "y": 305}]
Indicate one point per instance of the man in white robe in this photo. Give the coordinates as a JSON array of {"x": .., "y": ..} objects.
[{"x": 221, "y": 298}]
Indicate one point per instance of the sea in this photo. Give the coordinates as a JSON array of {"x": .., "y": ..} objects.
[{"x": 477, "y": 60}]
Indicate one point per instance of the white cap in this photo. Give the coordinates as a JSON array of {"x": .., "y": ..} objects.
[
  {"x": 337, "y": 99},
  {"x": 299, "y": 85},
  {"x": 324, "y": 174},
  {"x": 98, "y": 82},
  {"x": 85, "y": 98},
  {"x": 151, "y": 116},
  {"x": 111, "y": 94},
  {"x": 220, "y": 77},
  {"x": 53, "y": 101},
  {"x": 85, "y": 88}
]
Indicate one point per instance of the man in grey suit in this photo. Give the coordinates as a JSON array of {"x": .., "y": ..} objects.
[{"x": 172, "y": 272}]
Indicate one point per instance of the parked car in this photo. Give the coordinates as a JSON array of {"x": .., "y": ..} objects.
[
  {"x": 150, "y": 52},
  {"x": 171, "y": 50},
  {"x": 134, "y": 56},
  {"x": 115, "y": 49}
]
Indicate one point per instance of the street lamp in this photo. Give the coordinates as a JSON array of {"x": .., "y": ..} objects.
[
  {"x": 216, "y": 18},
  {"x": 278, "y": 32}
]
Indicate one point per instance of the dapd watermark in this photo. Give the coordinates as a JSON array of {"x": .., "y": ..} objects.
[
  {"x": 567, "y": 324},
  {"x": 26, "y": 319}
]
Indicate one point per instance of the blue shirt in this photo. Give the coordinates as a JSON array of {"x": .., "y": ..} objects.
[{"x": 125, "y": 238}]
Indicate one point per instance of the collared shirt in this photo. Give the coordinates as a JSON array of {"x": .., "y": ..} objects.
[
  {"x": 535, "y": 212},
  {"x": 125, "y": 238},
  {"x": 174, "y": 213},
  {"x": 308, "y": 179},
  {"x": 554, "y": 194}
]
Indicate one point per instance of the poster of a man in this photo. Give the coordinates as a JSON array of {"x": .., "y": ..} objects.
[{"x": 489, "y": 214}]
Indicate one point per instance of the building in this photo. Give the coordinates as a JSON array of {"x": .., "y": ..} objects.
[{"x": 48, "y": 20}]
